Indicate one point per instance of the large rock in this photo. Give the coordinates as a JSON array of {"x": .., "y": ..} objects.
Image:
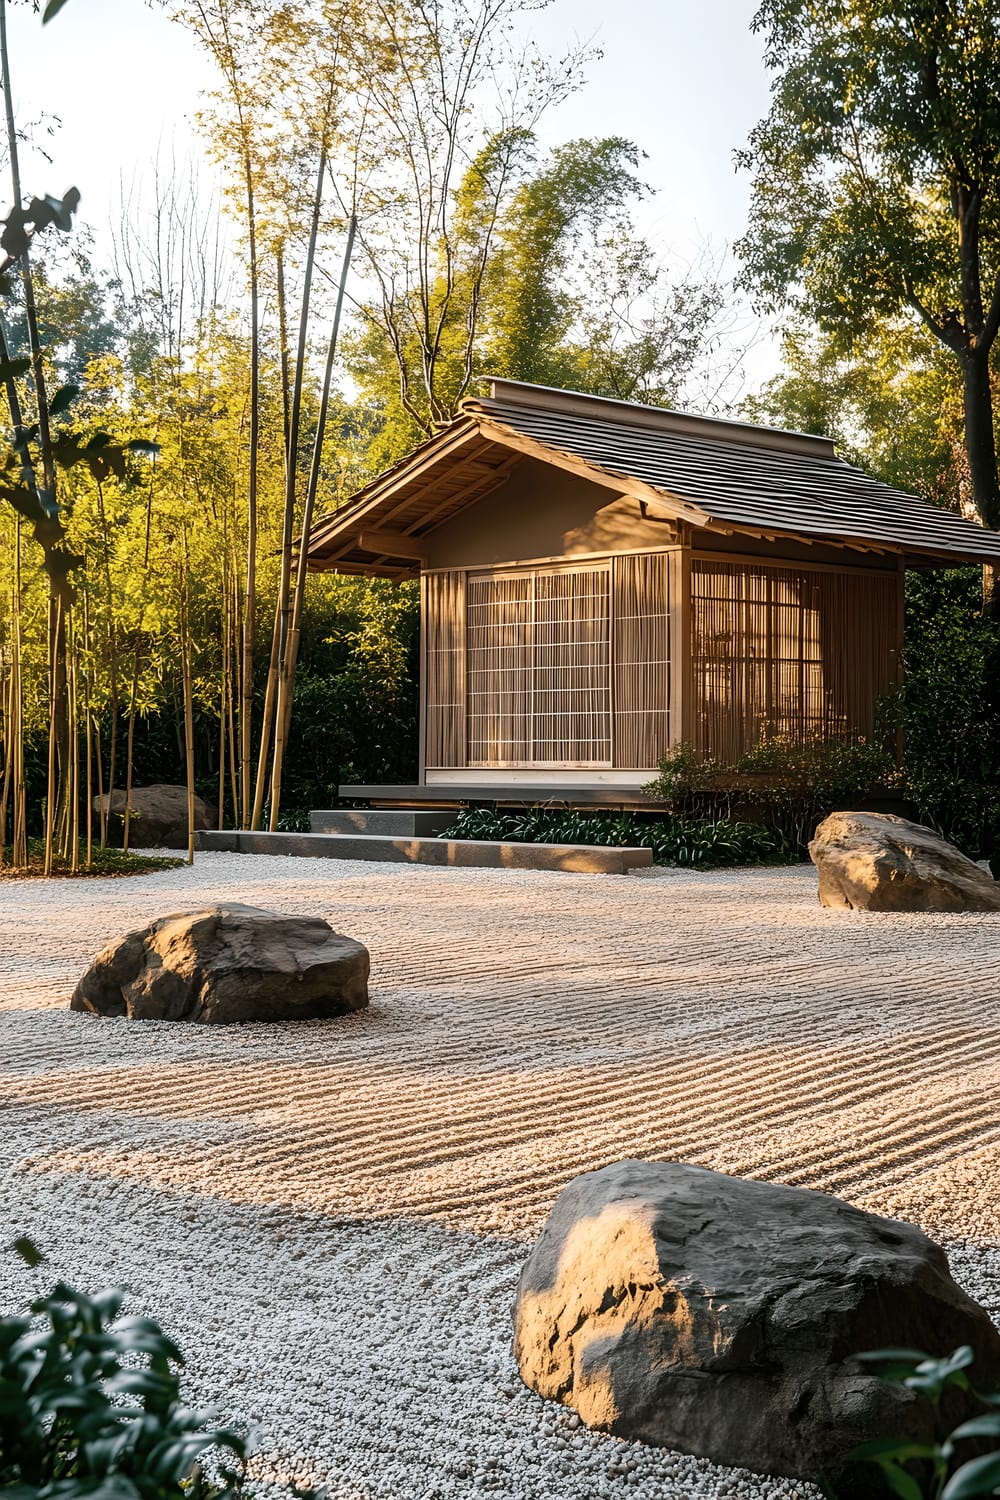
[
  {"x": 878, "y": 862},
  {"x": 228, "y": 963},
  {"x": 158, "y": 816},
  {"x": 718, "y": 1316}
]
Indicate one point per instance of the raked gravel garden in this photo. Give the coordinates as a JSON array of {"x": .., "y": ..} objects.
[{"x": 330, "y": 1217}]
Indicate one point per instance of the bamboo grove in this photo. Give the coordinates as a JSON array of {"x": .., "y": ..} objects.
[{"x": 178, "y": 419}]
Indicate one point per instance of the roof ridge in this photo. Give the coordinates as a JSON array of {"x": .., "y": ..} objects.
[{"x": 516, "y": 393}]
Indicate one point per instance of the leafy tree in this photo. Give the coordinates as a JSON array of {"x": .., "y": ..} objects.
[
  {"x": 877, "y": 182},
  {"x": 893, "y": 405},
  {"x": 557, "y": 289},
  {"x": 448, "y": 109},
  {"x": 575, "y": 299}
]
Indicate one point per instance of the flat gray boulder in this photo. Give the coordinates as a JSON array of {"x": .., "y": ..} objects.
[
  {"x": 717, "y": 1316},
  {"x": 878, "y": 862},
  {"x": 227, "y": 963},
  {"x": 158, "y": 816}
]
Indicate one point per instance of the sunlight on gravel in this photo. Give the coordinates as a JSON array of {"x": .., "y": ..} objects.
[{"x": 331, "y": 1216}]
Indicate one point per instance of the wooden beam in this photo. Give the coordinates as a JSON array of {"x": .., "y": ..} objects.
[{"x": 391, "y": 544}]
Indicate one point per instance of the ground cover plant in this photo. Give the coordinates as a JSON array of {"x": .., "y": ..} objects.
[
  {"x": 698, "y": 843},
  {"x": 100, "y": 862},
  {"x": 90, "y": 1407},
  {"x": 935, "y": 1471}
]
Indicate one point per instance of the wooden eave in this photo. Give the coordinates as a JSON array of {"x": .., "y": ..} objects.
[{"x": 451, "y": 471}]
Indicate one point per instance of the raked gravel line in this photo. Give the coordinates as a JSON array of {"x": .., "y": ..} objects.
[{"x": 331, "y": 1217}]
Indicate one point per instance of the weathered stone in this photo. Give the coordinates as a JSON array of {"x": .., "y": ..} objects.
[
  {"x": 158, "y": 816},
  {"x": 878, "y": 862},
  {"x": 228, "y": 963},
  {"x": 718, "y": 1316}
]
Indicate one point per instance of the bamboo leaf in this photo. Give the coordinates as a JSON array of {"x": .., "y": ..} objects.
[
  {"x": 11, "y": 369},
  {"x": 63, "y": 399}
]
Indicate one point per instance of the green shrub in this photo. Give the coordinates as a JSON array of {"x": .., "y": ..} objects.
[
  {"x": 934, "y": 1471},
  {"x": 698, "y": 843},
  {"x": 785, "y": 787},
  {"x": 90, "y": 1407}
]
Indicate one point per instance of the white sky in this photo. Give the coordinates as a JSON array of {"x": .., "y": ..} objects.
[{"x": 685, "y": 81}]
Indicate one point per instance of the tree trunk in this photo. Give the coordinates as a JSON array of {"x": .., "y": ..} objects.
[{"x": 980, "y": 440}]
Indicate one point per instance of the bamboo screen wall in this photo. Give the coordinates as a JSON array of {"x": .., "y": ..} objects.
[
  {"x": 559, "y": 666},
  {"x": 788, "y": 651},
  {"x": 443, "y": 623},
  {"x": 642, "y": 660}
]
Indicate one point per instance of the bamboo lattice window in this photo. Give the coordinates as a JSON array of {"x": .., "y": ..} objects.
[
  {"x": 782, "y": 651},
  {"x": 539, "y": 668}
]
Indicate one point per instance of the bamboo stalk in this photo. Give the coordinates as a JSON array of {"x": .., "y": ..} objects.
[
  {"x": 130, "y": 742},
  {"x": 55, "y": 616},
  {"x": 19, "y": 829},
  {"x": 223, "y": 684},
  {"x": 102, "y": 811},
  {"x": 74, "y": 762},
  {"x": 286, "y": 678},
  {"x": 186, "y": 690},
  {"x": 88, "y": 720},
  {"x": 239, "y": 810},
  {"x": 282, "y": 616}
]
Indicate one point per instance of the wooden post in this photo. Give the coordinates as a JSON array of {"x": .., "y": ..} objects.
[{"x": 681, "y": 667}]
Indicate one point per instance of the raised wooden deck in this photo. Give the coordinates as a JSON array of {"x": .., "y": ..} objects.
[{"x": 459, "y": 795}]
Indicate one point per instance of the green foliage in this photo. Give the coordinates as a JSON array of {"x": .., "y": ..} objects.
[
  {"x": 877, "y": 109},
  {"x": 698, "y": 843},
  {"x": 546, "y": 282},
  {"x": 950, "y": 708},
  {"x": 934, "y": 1471},
  {"x": 893, "y": 406},
  {"x": 90, "y": 1407},
  {"x": 876, "y": 192},
  {"x": 784, "y": 786},
  {"x": 23, "y": 223},
  {"x": 354, "y": 717},
  {"x": 103, "y": 862}
]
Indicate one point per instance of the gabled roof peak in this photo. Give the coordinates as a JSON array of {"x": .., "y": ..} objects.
[{"x": 517, "y": 393}]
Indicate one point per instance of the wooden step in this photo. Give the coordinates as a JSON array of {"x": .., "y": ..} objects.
[{"x": 390, "y": 822}]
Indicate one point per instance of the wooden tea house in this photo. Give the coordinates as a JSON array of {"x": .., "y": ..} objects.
[{"x": 601, "y": 580}]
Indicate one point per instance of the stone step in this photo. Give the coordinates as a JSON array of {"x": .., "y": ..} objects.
[
  {"x": 586, "y": 858},
  {"x": 390, "y": 822}
]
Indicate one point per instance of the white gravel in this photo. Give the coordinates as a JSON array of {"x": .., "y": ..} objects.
[{"x": 331, "y": 1217}]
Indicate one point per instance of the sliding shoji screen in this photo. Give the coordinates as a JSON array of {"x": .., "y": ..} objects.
[
  {"x": 642, "y": 659},
  {"x": 500, "y": 611},
  {"x": 539, "y": 678},
  {"x": 791, "y": 652},
  {"x": 571, "y": 706}
]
